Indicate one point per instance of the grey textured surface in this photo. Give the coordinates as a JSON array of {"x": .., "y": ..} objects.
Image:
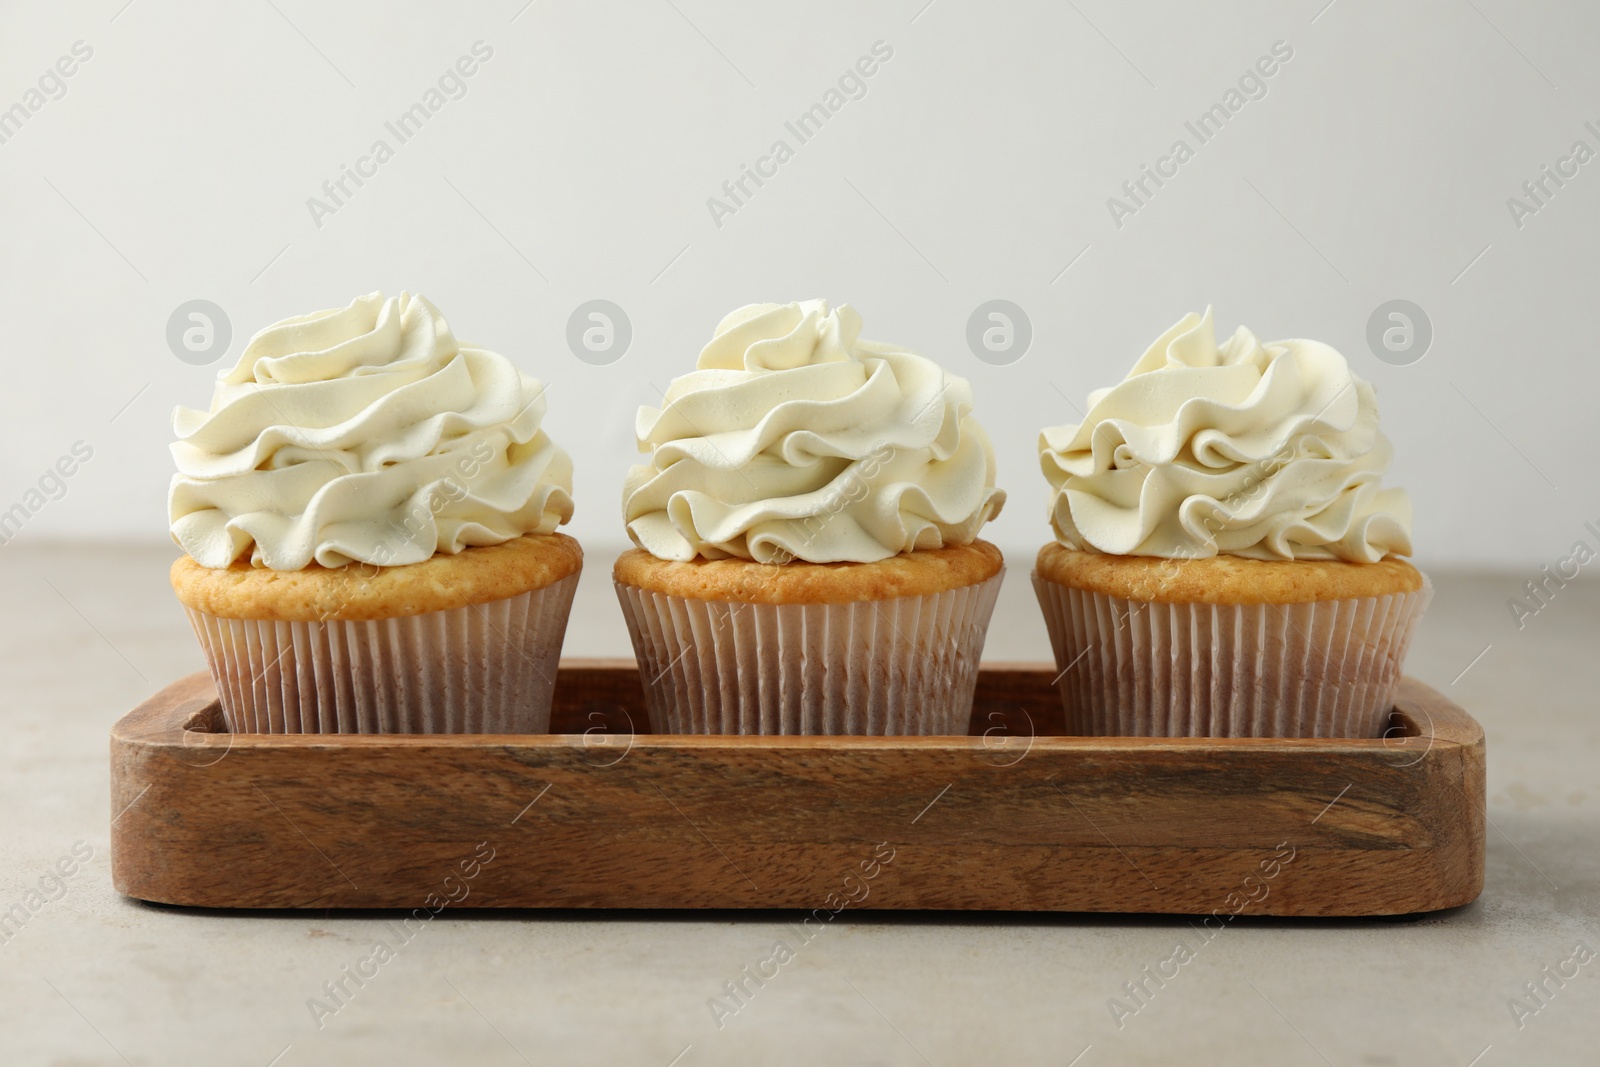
[{"x": 92, "y": 978}]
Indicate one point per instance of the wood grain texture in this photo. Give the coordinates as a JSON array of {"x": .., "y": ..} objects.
[{"x": 1015, "y": 817}]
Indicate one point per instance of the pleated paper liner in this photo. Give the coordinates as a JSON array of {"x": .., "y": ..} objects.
[
  {"x": 881, "y": 667},
  {"x": 1140, "y": 669},
  {"x": 485, "y": 668}
]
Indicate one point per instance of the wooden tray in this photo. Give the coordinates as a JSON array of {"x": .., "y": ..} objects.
[{"x": 1015, "y": 817}]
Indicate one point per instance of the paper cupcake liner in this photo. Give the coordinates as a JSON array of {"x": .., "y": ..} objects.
[
  {"x": 486, "y": 668},
  {"x": 1137, "y": 668},
  {"x": 906, "y": 665}
]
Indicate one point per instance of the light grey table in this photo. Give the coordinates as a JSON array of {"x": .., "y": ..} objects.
[{"x": 92, "y": 978}]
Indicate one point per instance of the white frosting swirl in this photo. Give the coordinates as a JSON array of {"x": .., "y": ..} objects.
[
  {"x": 796, "y": 440},
  {"x": 364, "y": 434},
  {"x": 1267, "y": 451}
]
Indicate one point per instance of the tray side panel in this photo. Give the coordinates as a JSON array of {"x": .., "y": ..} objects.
[{"x": 1066, "y": 824}]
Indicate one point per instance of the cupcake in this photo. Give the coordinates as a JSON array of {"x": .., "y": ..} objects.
[
  {"x": 368, "y": 511},
  {"x": 1226, "y": 560},
  {"x": 807, "y": 524}
]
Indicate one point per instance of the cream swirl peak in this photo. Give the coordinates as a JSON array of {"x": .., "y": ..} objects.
[
  {"x": 1263, "y": 450},
  {"x": 364, "y": 434},
  {"x": 795, "y": 439}
]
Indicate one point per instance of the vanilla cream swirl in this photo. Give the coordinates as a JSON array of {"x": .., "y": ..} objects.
[
  {"x": 794, "y": 439},
  {"x": 1263, "y": 450},
  {"x": 364, "y": 434}
]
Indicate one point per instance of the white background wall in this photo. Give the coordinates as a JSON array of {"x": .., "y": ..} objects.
[{"x": 179, "y": 161}]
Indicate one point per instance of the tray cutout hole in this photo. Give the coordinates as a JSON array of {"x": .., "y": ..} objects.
[{"x": 202, "y": 717}]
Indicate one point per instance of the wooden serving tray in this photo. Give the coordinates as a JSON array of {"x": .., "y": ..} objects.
[{"x": 1015, "y": 817}]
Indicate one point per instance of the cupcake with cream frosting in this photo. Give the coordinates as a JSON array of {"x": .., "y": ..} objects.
[
  {"x": 807, "y": 522},
  {"x": 368, "y": 512},
  {"x": 1227, "y": 561}
]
